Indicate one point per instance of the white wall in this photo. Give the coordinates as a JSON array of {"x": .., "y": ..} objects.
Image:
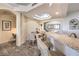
[
  {"x": 56, "y": 21},
  {"x": 66, "y": 20},
  {"x": 5, "y": 36},
  {"x": 28, "y": 26},
  {"x": 31, "y": 27}
]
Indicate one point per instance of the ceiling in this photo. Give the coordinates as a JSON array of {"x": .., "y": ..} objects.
[
  {"x": 19, "y": 4},
  {"x": 23, "y": 7},
  {"x": 55, "y": 10},
  {"x": 45, "y": 8},
  {"x": 63, "y": 8},
  {"x": 5, "y": 12},
  {"x": 24, "y": 4},
  {"x": 73, "y": 7}
]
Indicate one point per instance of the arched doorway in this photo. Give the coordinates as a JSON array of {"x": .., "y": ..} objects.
[{"x": 7, "y": 25}]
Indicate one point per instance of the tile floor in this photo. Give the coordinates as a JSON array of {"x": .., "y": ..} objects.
[{"x": 10, "y": 49}]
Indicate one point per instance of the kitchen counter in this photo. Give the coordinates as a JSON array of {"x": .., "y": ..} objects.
[{"x": 65, "y": 40}]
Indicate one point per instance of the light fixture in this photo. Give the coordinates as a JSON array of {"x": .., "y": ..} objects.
[
  {"x": 13, "y": 30},
  {"x": 57, "y": 13},
  {"x": 42, "y": 16}
]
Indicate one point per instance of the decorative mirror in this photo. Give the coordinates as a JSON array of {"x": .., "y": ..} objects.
[{"x": 74, "y": 24}]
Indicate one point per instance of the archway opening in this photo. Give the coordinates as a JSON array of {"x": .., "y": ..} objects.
[{"x": 7, "y": 26}]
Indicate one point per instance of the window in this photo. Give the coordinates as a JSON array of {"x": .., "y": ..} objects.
[
  {"x": 51, "y": 27},
  {"x": 56, "y": 26}
]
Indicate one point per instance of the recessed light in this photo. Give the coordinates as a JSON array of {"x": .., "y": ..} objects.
[{"x": 57, "y": 13}]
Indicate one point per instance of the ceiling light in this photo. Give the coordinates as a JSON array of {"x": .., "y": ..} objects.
[
  {"x": 42, "y": 16},
  {"x": 57, "y": 13}
]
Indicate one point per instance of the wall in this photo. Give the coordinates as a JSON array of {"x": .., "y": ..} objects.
[
  {"x": 5, "y": 36},
  {"x": 24, "y": 29},
  {"x": 28, "y": 26},
  {"x": 55, "y": 21},
  {"x": 66, "y": 20}
]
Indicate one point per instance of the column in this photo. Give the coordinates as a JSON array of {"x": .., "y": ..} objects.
[{"x": 18, "y": 28}]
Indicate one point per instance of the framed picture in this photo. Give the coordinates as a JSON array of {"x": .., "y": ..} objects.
[{"x": 6, "y": 25}]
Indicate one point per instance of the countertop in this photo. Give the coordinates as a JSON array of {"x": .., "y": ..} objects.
[{"x": 65, "y": 39}]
